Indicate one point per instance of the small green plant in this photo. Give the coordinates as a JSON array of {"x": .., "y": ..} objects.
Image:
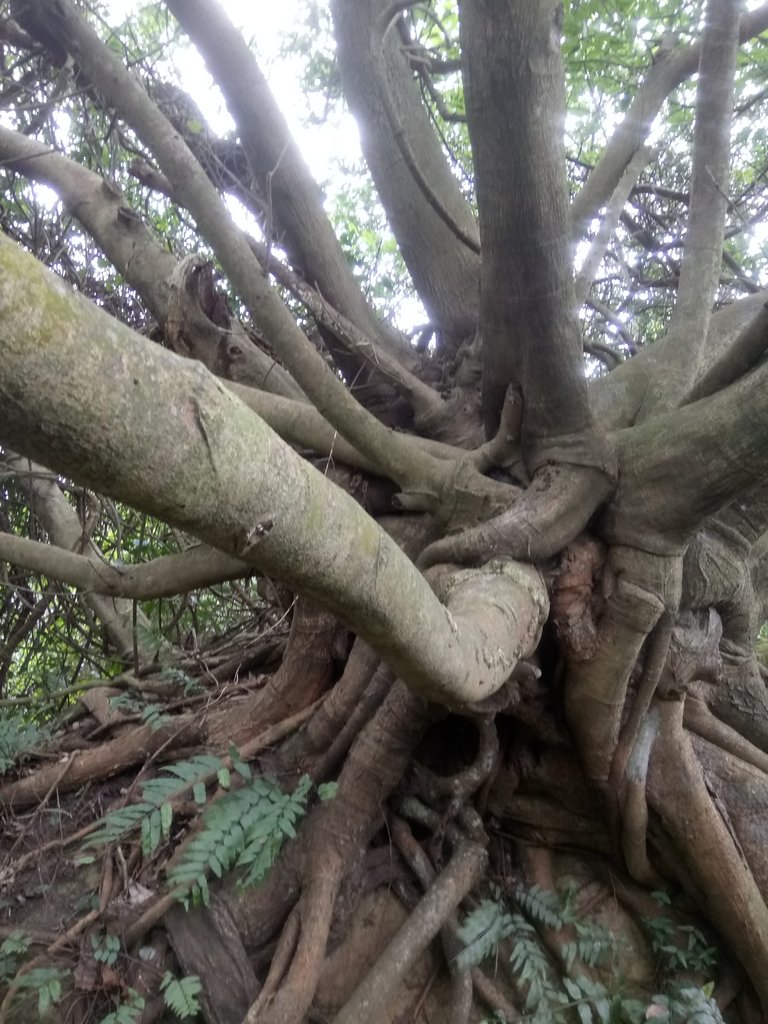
[
  {"x": 546, "y": 999},
  {"x": 125, "y": 703},
  {"x": 128, "y": 1012},
  {"x": 192, "y": 686},
  {"x": 686, "y": 1004},
  {"x": 679, "y": 947},
  {"x": 46, "y": 982},
  {"x": 16, "y": 737},
  {"x": 153, "y": 814},
  {"x": 154, "y": 716},
  {"x": 106, "y": 948},
  {"x": 180, "y": 994},
  {"x": 551, "y": 998},
  {"x": 327, "y": 790},
  {"x": 244, "y": 828},
  {"x": 12, "y": 950}
]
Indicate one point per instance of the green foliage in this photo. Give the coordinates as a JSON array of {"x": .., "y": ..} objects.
[
  {"x": 679, "y": 947},
  {"x": 180, "y": 994},
  {"x": 368, "y": 244},
  {"x": 106, "y": 948},
  {"x": 686, "y": 1004},
  {"x": 761, "y": 646},
  {"x": 192, "y": 686},
  {"x": 67, "y": 644},
  {"x": 545, "y": 998},
  {"x": 126, "y": 703},
  {"x": 46, "y": 982},
  {"x": 551, "y": 997},
  {"x": 152, "y": 640},
  {"x": 126, "y": 1013},
  {"x": 12, "y": 950},
  {"x": 240, "y": 767},
  {"x": 153, "y": 814},
  {"x": 482, "y": 931},
  {"x": 16, "y": 737},
  {"x": 154, "y": 716},
  {"x": 244, "y": 828},
  {"x": 593, "y": 943},
  {"x": 310, "y": 43},
  {"x": 534, "y": 973}
]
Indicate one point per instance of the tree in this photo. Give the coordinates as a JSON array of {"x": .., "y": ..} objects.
[{"x": 542, "y": 523}]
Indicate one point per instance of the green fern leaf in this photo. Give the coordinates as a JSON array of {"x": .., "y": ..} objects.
[
  {"x": 245, "y": 827},
  {"x": 481, "y": 932},
  {"x": 180, "y": 994},
  {"x": 156, "y": 792}
]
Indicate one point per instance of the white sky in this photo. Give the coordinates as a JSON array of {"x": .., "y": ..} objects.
[{"x": 265, "y": 25}]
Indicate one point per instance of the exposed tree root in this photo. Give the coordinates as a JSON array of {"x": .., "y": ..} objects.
[
  {"x": 281, "y": 961},
  {"x": 740, "y": 793},
  {"x": 330, "y": 731},
  {"x": 315, "y": 908},
  {"x": 331, "y": 844},
  {"x": 208, "y": 943},
  {"x": 315, "y": 643},
  {"x": 462, "y": 981},
  {"x": 375, "y": 993},
  {"x": 725, "y": 885},
  {"x": 304, "y": 673},
  {"x": 698, "y": 719},
  {"x": 106, "y": 760}
]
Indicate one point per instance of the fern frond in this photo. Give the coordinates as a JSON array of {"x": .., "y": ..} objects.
[
  {"x": 594, "y": 943},
  {"x": 13, "y": 947},
  {"x": 541, "y": 905},
  {"x": 180, "y": 994},
  {"x": 531, "y": 967},
  {"x": 246, "y": 827},
  {"x": 481, "y": 932},
  {"x": 153, "y": 813},
  {"x": 690, "y": 1005},
  {"x": 46, "y": 981}
]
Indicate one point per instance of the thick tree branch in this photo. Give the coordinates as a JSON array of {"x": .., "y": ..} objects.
[
  {"x": 90, "y": 397},
  {"x": 152, "y": 270},
  {"x": 677, "y": 791},
  {"x": 302, "y": 426},
  {"x": 383, "y": 447},
  {"x": 702, "y": 259},
  {"x": 144, "y": 263},
  {"x": 385, "y": 99},
  {"x": 376, "y": 991},
  {"x": 515, "y": 107},
  {"x": 425, "y": 402},
  {"x": 608, "y": 224},
  {"x": 162, "y": 577},
  {"x": 616, "y": 397},
  {"x": 281, "y": 175},
  {"x": 747, "y": 349},
  {"x": 665, "y": 495}
]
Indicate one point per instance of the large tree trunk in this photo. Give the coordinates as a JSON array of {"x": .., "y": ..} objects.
[{"x": 521, "y": 632}]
